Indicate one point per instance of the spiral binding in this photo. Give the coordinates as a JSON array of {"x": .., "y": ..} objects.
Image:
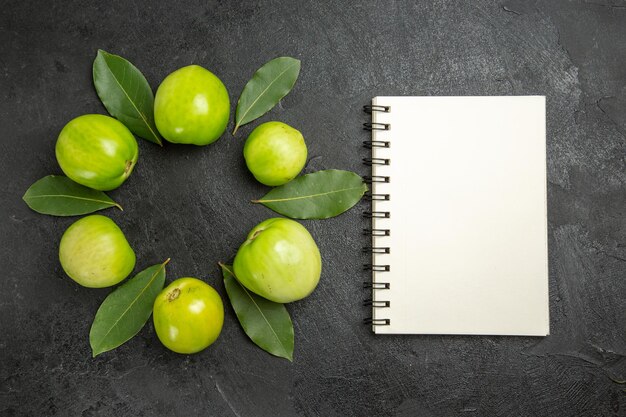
[
  {"x": 376, "y": 249},
  {"x": 371, "y": 285},
  {"x": 376, "y": 126},
  {"x": 377, "y": 322},
  {"x": 376, "y": 304},
  {"x": 376, "y": 285},
  {"x": 377, "y": 232},
  {"x": 376, "y": 268},
  {"x": 377, "y": 197},
  {"x": 377, "y": 214},
  {"x": 375, "y": 161},
  {"x": 369, "y": 144},
  {"x": 372, "y": 108},
  {"x": 375, "y": 178}
]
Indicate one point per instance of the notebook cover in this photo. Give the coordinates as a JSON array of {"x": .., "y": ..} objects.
[{"x": 467, "y": 216}]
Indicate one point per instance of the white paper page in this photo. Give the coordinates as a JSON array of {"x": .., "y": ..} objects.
[{"x": 468, "y": 217}]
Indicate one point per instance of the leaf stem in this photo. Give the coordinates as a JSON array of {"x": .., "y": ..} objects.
[{"x": 224, "y": 266}]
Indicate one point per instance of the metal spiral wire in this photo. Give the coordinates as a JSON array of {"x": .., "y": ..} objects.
[{"x": 371, "y": 285}]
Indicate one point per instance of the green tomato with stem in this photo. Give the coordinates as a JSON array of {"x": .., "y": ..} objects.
[
  {"x": 95, "y": 253},
  {"x": 279, "y": 261},
  {"x": 188, "y": 315},
  {"x": 97, "y": 151},
  {"x": 191, "y": 106},
  {"x": 275, "y": 153}
]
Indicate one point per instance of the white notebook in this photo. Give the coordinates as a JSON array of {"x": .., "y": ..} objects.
[{"x": 459, "y": 216}]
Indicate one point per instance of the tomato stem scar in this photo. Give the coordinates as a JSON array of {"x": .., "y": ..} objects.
[
  {"x": 129, "y": 164},
  {"x": 173, "y": 295}
]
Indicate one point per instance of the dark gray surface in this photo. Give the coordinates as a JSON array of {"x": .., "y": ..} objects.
[{"x": 191, "y": 204}]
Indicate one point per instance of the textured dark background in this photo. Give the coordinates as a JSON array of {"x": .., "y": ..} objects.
[{"x": 192, "y": 204}]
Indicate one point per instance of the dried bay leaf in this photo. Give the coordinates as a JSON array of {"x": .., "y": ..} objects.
[
  {"x": 126, "y": 310},
  {"x": 265, "y": 322},
  {"x": 319, "y": 195},
  {"x": 126, "y": 94},
  {"x": 269, "y": 84},
  {"x": 60, "y": 196}
]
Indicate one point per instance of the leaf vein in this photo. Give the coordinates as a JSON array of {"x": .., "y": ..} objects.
[
  {"x": 112, "y": 203},
  {"x": 307, "y": 196}
]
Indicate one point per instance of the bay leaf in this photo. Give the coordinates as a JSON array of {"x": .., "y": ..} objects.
[
  {"x": 269, "y": 84},
  {"x": 319, "y": 195},
  {"x": 60, "y": 196},
  {"x": 126, "y": 310},
  {"x": 126, "y": 94},
  {"x": 265, "y": 322}
]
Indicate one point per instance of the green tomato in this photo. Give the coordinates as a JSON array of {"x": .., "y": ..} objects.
[
  {"x": 191, "y": 106},
  {"x": 97, "y": 151},
  {"x": 279, "y": 261},
  {"x": 275, "y": 153},
  {"x": 95, "y": 253},
  {"x": 188, "y": 315}
]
